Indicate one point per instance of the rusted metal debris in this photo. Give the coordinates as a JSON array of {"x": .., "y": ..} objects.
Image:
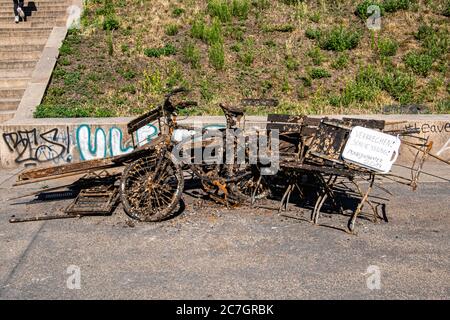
[{"x": 311, "y": 164}]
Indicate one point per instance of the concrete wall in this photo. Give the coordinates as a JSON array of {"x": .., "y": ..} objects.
[{"x": 46, "y": 142}]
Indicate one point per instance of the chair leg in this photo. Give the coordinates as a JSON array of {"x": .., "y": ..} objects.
[
  {"x": 351, "y": 222},
  {"x": 286, "y": 193}
]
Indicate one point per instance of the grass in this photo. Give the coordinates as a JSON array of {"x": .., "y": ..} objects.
[
  {"x": 313, "y": 56},
  {"x": 319, "y": 73},
  {"x": 339, "y": 39},
  {"x": 341, "y": 62},
  {"x": 387, "y": 47},
  {"x": 216, "y": 56},
  {"x": 316, "y": 56},
  {"x": 419, "y": 63},
  {"x": 191, "y": 55},
  {"x": 167, "y": 50}
]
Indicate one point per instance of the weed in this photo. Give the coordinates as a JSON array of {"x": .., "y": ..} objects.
[
  {"x": 315, "y": 17},
  {"x": 279, "y": 28},
  {"x": 127, "y": 74},
  {"x": 396, "y": 5},
  {"x": 71, "y": 78},
  {"x": 177, "y": 12},
  {"x": 124, "y": 48},
  {"x": 171, "y": 29},
  {"x": 387, "y": 47},
  {"x": 240, "y": 8},
  {"x": 314, "y": 34},
  {"x": 361, "y": 8},
  {"x": 291, "y": 63},
  {"x": 205, "y": 90},
  {"x": 65, "y": 48},
  {"x": 216, "y": 56},
  {"x": 191, "y": 55},
  {"x": 129, "y": 88},
  {"x": 339, "y": 39},
  {"x": 341, "y": 62},
  {"x": 109, "y": 43},
  {"x": 399, "y": 85},
  {"x": 111, "y": 23},
  {"x": 419, "y": 63},
  {"x": 319, "y": 73},
  {"x": 316, "y": 56},
  {"x": 220, "y": 9},
  {"x": 167, "y": 50}
]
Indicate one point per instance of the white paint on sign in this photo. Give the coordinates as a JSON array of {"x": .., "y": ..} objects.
[{"x": 371, "y": 149}]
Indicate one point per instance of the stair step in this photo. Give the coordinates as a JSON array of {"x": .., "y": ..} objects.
[
  {"x": 29, "y": 15},
  {"x": 29, "y": 33},
  {"x": 17, "y": 40},
  {"x": 13, "y": 82},
  {"x": 58, "y": 18},
  {"x": 9, "y": 104},
  {"x": 17, "y": 73},
  {"x": 21, "y": 48},
  {"x": 15, "y": 64},
  {"x": 26, "y": 55},
  {"x": 42, "y": 7},
  {"x": 6, "y": 115},
  {"x": 37, "y": 4},
  {"x": 61, "y": 23},
  {"x": 12, "y": 93}
]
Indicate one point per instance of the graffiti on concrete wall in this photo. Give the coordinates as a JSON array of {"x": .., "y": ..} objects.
[
  {"x": 428, "y": 129},
  {"x": 31, "y": 146},
  {"x": 98, "y": 143}
]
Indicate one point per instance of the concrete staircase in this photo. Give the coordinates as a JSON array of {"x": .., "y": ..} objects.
[{"x": 21, "y": 46}]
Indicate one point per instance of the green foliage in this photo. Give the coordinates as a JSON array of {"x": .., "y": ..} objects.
[
  {"x": 224, "y": 10},
  {"x": 72, "y": 111},
  {"x": 420, "y": 63},
  {"x": 399, "y": 85},
  {"x": 177, "y": 12},
  {"x": 339, "y": 39},
  {"x": 313, "y": 34},
  {"x": 111, "y": 23},
  {"x": 319, "y": 73},
  {"x": 364, "y": 88},
  {"x": 247, "y": 54},
  {"x": 291, "y": 63},
  {"x": 191, "y": 55},
  {"x": 216, "y": 56},
  {"x": 220, "y": 9},
  {"x": 315, "y": 17},
  {"x": 341, "y": 62},
  {"x": 279, "y": 28},
  {"x": 167, "y": 50},
  {"x": 316, "y": 56},
  {"x": 171, "y": 29},
  {"x": 240, "y": 8},
  {"x": 435, "y": 42},
  {"x": 396, "y": 5},
  {"x": 209, "y": 34},
  {"x": 127, "y": 74},
  {"x": 109, "y": 43},
  {"x": 71, "y": 78},
  {"x": 387, "y": 47},
  {"x": 361, "y": 8},
  {"x": 446, "y": 11}
]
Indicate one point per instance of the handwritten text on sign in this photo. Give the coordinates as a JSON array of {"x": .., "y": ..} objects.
[{"x": 372, "y": 149}]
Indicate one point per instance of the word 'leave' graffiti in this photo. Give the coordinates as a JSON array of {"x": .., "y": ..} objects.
[{"x": 96, "y": 144}]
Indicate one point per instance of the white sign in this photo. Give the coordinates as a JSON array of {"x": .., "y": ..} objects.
[{"x": 371, "y": 149}]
